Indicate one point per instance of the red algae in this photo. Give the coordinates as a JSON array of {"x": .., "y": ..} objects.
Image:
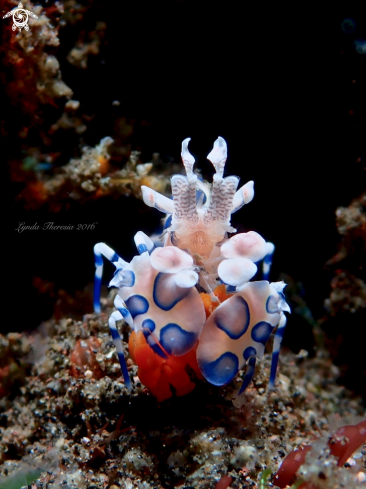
[
  {"x": 346, "y": 440},
  {"x": 224, "y": 482},
  {"x": 287, "y": 472}
]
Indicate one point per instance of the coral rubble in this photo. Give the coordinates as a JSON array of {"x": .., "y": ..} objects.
[{"x": 102, "y": 435}]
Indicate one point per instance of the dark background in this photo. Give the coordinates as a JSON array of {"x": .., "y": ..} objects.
[{"x": 277, "y": 84}]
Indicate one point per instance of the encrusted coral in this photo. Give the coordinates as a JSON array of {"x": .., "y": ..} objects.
[
  {"x": 91, "y": 177},
  {"x": 78, "y": 56},
  {"x": 346, "y": 305},
  {"x": 348, "y": 287},
  {"x": 34, "y": 76}
]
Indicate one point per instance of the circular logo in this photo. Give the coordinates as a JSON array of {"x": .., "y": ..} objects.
[{"x": 20, "y": 19}]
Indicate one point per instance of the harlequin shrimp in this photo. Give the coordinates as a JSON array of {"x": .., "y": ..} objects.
[{"x": 190, "y": 301}]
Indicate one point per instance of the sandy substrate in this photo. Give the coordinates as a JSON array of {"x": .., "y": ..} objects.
[{"x": 71, "y": 427}]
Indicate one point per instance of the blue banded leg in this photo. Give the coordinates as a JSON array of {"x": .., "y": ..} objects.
[
  {"x": 248, "y": 374},
  {"x": 120, "y": 305},
  {"x": 154, "y": 345},
  {"x": 121, "y": 313},
  {"x": 276, "y": 350},
  {"x": 267, "y": 260},
  {"x": 99, "y": 250},
  {"x": 117, "y": 316},
  {"x": 143, "y": 243}
]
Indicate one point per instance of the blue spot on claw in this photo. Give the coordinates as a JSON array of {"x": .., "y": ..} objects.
[
  {"x": 148, "y": 323},
  {"x": 249, "y": 352},
  {"x": 127, "y": 278},
  {"x": 222, "y": 370},
  {"x": 137, "y": 304},
  {"x": 272, "y": 304},
  {"x": 175, "y": 340},
  {"x": 261, "y": 332},
  {"x": 167, "y": 294},
  {"x": 233, "y": 317}
]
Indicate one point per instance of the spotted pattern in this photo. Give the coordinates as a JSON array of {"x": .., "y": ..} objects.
[
  {"x": 149, "y": 324},
  {"x": 261, "y": 332},
  {"x": 237, "y": 331},
  {"x": 128, "y": 278},
  {"x": 123, "y": 278},
  {"x": 233, "y": 317},
  {"x": 272, "y": 305},
  {"x": 175, "y": 340},
  {"x": 249, "y": 352},
  {"x": 222, "y": 370},
  {"x": 166, "y": 293},
  {"x": 173, "y": 317},
  {"x": 137, "y": 304}
]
